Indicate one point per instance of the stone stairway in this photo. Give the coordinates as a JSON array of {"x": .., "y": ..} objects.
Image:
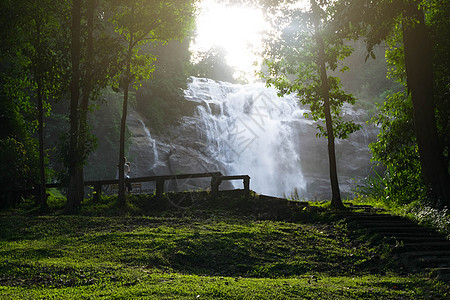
[{"x": 418, "y": 248}]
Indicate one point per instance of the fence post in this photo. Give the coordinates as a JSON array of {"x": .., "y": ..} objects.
[
  {"x": 97, "y": 191},
  {"x": 215, "y": 182},
  {"x": 159, "y": 188},
  {"x": 247, "y": 186}
]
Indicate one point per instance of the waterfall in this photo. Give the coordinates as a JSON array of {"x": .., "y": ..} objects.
[
  {"x": 151, "y": 143},
  {"x": 251, "y": 130}
]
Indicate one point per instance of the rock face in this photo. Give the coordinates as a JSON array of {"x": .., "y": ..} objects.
[
  {"x": 352, "y": 156},
  {"x": 247, "y": 129},
  {"x": 163, "y": 155}
]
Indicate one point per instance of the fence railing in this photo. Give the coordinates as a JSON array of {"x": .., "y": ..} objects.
[{"x": 216, "y": 180}]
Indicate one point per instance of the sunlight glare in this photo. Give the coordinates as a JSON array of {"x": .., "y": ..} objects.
[{"x": 238, "y": 30}]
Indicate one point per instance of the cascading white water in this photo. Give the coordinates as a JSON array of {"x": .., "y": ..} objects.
[
  {"x": 152, "y": 143},
  {"x": 250, "y": 130}
]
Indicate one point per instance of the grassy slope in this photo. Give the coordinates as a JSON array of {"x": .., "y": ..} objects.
[{"x": 197, "y": 253}]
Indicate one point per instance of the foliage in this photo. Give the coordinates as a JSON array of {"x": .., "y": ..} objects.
[
  {"x": 104, "y": 123},
  {"x": 89, "y": 144},
  {"x": 137, "y": 23},
  {"x": 291, "y": 58},
  {"x": 372, "y": 186},
  {"x": 19, "y": 160},
  {"x": 160, "y": 98},
  {"x": 396, "y": 150},
  {"x": 30, "y": 60},
  {"x": 140, "y": 22},
  {"x": 18, "y": 111},
  {"x": 436, "y": 218},
  {"x": 212, "y": 64},
  {"x": 18, "y": 150},
  {"x": 412, "y": 42},
  {"x": 298, "y": 56},
  {"x": 438, "y": 20}
]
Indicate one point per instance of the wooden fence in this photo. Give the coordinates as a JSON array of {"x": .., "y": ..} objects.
[{"x": 216, "y": 180}]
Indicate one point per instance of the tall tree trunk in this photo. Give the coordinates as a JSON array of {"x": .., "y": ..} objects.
[
  {"x": 40, "y": 118},
  {"x": 325, "y": 90},
  {"x": 42, "y": 191},
  {"x": 418, "y": 62},
  {"x": 73, "y": 195},
  {"x": 86, "y": 90},
  {"x": 121, "y": 195}
]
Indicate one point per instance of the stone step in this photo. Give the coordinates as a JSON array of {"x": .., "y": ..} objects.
[
  {"x": 364, "y": 207},
  {"x": 357, "y": 216},
  {"x": 416, "y": 239},
  {"x": 441, "y": 273},
  {"x": 433, "y": 262},
  {"x": 379, "y": 220},
  {"x": 394, "y": 224},
  {"x": 426, "y": 253},
  {"x": 434, "y": 265},
  {"x": 400, "y": 230},
  {"x": 445, "y": 246},
  {"x": 351, "y": 214},
  {"x": 418, "y": 247},
  {"x": 434, "y": 259},
  {"x": 409, "y": 235}
]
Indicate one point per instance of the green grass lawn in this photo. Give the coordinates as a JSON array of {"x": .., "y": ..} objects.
[{"x": 196, "y": 254}]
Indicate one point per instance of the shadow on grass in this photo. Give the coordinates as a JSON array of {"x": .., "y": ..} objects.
[{"x": 223, "y": 236}]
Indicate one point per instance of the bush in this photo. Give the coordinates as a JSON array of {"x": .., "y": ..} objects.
[
  {"x": 397, "y": 151},
  {"x": 438, "y": 219},
  {"x": 19, "y": 163}
]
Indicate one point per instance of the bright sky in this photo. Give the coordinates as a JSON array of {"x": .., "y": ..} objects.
[{"x": 236, "y": 29}]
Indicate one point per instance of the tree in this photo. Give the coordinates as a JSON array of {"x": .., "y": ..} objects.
[
  {"x": 95, "y": 50},
  {"x": 298, "y": 61},
  {"x": 417, "y": 47},
  {"x": 396, "y": 149},
  {"x": 39, "y": 52},
  {"x": 75, "y": 187},
  {"x": 98, "y": 55},
  {"x": 18, "y": 150},
  {"x": 139, "y": 22},
  {"x": 16, "y": 155},
  {"x": 85, "y": 143},
  {"x": 35, "y": 41},
  {"x": 212, "y": 64},
  {"x": 45, "y": 61},
  {"x": 377, "y": 21}
]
